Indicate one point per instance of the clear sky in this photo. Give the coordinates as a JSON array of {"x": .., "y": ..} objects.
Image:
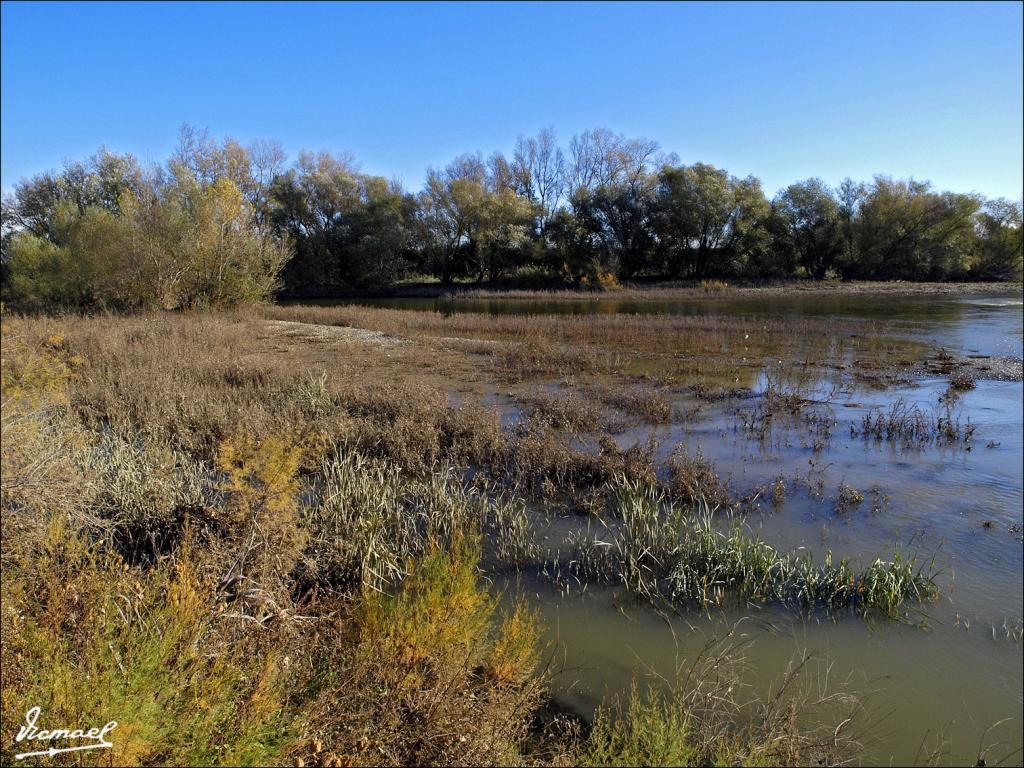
[{"x": 783, "y": 91}]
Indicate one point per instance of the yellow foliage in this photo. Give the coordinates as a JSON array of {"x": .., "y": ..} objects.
[
  {"x": 514, "y": 657},
  {"x": 441, "y": 611},
  {"x": 603, "y": 280},
  {"x": 608, "y": 281},
  {"x": 89, "y": 640},
  {"x": 34, "y": 375},
  {"x": 260, "y": 481},
  {"x": 260, "y": 476},
  {"x": 714, "y": 286}
]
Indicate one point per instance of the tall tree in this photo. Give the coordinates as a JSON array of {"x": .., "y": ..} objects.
[
  {"x": 812, "y": 231},
  {"x": 707, "y": 221},
  {"x": 1000, "y": 246},
  {"x": 538, "y": 167},
  {"x": 906, "y": 231},
  {"x": 610, "y": 188},
  {"x": 472, "y": 222}
]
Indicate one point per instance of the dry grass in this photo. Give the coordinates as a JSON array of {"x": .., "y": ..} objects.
[
  {"x": 606, "y": 341},
  {"x": 273, "y": 534},
  {"x": 693, "y": 479},
  {"x": 667, "y": 291}
]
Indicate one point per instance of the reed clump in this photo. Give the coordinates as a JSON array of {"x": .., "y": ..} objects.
[
  {"x": 645, "y": 402},
  {"x": 909, "y": 426},
  {"x": 847, "y": 498},
  {"x": 789, "y": 405},
  {"x": 366, "y": 519},
  {"x": 566, "y": 411},
  {"x": 553, "y": 466},
  {"x": 663, "y": 553},
  {"x": 962, "y": 382}
]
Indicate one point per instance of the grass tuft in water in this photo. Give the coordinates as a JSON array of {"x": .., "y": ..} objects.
[{"x": 659, "y": 551}]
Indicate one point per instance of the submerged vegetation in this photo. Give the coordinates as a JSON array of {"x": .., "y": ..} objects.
[
  {"x": 910, "y": 426},
  {"x": 700, "y": 716}
]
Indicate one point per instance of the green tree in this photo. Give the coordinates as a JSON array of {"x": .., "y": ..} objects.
[
  {"x": 443, "y": 226},
  {"x": 381, "y": 234},
  {"x": 572, "y": 255},
  {"x": 812, "y": 226},
  {"x": 472, "y": 223},
  {"x": 906, "y": 231},
  {"x": 1000, "y": 246},
  {"x": 348, "y": 228},
  {"x": 707, "y": 221},
  {"x": 610, "y": 189},
  {"x": 104, "y": 233}
]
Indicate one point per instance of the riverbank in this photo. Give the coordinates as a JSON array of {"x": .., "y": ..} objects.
[{"x": 669, "y": 290}]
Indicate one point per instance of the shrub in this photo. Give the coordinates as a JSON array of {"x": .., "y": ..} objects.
[
  {"x": 89, "y": 640},
  {"x": 260, "y": 516},
  {"x": 694, "y": 479},
  {"x": 430, "y": 680}
]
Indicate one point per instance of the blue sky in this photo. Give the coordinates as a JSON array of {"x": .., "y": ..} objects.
[{"x": 783, "y": 91}]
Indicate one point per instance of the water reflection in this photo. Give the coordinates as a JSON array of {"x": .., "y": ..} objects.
[{"x": 974, "y": 325}]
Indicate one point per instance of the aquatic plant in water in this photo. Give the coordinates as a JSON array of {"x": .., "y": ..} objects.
[{"x": 661, "y": 551}]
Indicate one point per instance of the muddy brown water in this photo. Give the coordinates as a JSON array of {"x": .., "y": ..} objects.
[{"x": 947, "y": 676}]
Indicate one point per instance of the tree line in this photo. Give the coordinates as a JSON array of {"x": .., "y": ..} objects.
[{"x": 220, "y": 223}]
